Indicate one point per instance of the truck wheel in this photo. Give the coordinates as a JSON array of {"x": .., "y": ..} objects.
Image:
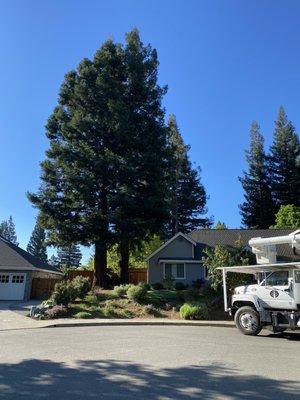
[{"x": 247, "y": 321}]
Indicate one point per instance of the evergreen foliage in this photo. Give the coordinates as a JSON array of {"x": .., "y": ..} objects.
[
  {"x": 69, "y": 256},
  {"x": 288, "y": 217},
  {"x": 103, "y": 178},
  {"x": 8, "y": 231},
  {"x": 37, "y": 243},
  {"x": 257, "y": 211},
  {"x": 220, "y": 225},
  {"x": 187, "y": 196},
  {"x": 284, "y": 162}
]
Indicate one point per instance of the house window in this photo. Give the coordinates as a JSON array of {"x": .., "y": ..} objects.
[{"x": 177, "y": 271}]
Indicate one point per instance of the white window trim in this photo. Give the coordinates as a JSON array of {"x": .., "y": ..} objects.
[{"x": 184, "y": 269}]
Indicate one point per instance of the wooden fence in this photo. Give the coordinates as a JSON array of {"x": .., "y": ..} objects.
[
  {"x": 41, "y": 288},
  {"x": 86, "y": 273},
  {"x": 137, "y": 275}
]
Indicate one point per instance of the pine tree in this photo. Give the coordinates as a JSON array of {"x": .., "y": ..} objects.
[
  {"x": 220, "y": 225},
  {"x": 103, "y": 175},
  {"x": 257, "y": 211},
  {"x": 69, "y": 256},
  {"x": 284, "y": 163},
  {"x": 37, "y": 243},
  {"x": 8, "y": 231},
  {"x": 187, "y": 196},
  {"x": 139, "y": 202}
]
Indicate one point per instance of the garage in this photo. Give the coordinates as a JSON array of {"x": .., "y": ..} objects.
[
  {"x": 18, "y": 268},
  {"x": 12, "y": 286}
]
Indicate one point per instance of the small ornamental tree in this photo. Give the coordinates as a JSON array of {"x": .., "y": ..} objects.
[{"x": 221, "y": 256}]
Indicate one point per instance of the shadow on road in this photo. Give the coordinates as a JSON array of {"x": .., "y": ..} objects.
[{"x": 35, "y": 379}]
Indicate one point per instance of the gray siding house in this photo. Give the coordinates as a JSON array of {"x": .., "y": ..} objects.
[
  {"x": 182, "y": 255},
  {"x": 17, "y": 269}
]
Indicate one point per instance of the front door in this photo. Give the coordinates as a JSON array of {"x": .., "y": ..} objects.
[{"x": 276, "y": 291}]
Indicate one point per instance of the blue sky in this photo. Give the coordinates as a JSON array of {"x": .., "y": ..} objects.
[{"x": 226, "y": 62}]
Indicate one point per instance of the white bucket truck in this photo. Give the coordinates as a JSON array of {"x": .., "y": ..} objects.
[{"x": 275, "y": 300}]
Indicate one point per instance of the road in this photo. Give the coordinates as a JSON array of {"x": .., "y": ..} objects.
[{"x": 147, "y": 362}]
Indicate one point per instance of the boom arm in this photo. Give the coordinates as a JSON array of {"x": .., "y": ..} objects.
[{"x": 265, "y": 248}]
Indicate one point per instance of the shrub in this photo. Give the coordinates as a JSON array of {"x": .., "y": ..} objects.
[
  {"x": 180, "y": 286},
  {"x": 81, "y": 286},
  {"x": 83, "y": 315},
  {"x": 192, "y": 294},
  {"x": 66, "y": 292},
  {"x": 121, "y": 290},
  {"x": 63, "y": 293},
  {"x": 56, "y": 312},
  {"x": 137, "y": 293},
  {"x": 151, "y": 310},
  {"x": 194, "y": 311},
  {"x": 157, "y": 286},
  {"x": 168, "y": 282},
  {"x": 146, "y": 285}
]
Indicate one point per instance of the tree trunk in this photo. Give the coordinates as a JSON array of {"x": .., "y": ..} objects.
[
  {"x": 124, "y": 260},
  {"x": 100, "y": 264},
  {"x": 100, "y": 258}
]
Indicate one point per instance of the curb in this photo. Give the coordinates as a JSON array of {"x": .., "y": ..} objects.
[{"x": 215, "y": 324}]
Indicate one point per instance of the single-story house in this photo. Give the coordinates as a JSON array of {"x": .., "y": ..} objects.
[
  {"x": 182, "y": 255},
  {"x": 17, "y": 269}
]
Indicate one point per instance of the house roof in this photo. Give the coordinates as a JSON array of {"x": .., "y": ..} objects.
[
  {"x": 229, "y": 238},
  {"x": 188, "y": 238},
  {"x": 12, "y": 256}
]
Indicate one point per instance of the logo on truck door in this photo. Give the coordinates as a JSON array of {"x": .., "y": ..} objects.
[{"x": 274, "y": 294}]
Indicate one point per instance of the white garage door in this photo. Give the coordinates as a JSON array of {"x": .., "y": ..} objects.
[{"x": 12, "y": 286}]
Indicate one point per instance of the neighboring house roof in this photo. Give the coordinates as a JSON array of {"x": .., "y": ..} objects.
[
  {"x": 230, "y": 237},
  {"x": 189, "y": 239},
  {"x": 12, "y": 256}
]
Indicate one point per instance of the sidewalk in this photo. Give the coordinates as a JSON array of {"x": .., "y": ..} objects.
[{"x": 11, "y": 320}]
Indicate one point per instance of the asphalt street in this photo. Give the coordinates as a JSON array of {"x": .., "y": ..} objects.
[{"x": 148, "y": 362}]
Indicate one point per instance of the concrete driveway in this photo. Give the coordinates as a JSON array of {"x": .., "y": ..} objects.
[
  {"x": 13, "y": 315},
  {"x": 152, "y": 362}
]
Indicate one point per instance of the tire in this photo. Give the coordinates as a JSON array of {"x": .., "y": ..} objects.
[{"x": 247, "y": 321}]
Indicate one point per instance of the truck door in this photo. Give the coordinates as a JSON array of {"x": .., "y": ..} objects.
[
  {"x": 276, "y": 291},
  {"x": 297, "y": 286}
]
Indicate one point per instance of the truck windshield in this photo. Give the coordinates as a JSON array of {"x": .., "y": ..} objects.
[{"x": 278, "y": 278}]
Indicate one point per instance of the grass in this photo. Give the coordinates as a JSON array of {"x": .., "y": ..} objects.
[{"x": 158, "y": 303}]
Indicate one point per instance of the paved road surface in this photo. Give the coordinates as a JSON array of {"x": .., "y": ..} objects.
[{"x": 150, "y": 362}]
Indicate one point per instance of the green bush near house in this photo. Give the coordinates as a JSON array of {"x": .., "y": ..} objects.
[
  {"x": 137, "y": 293},
  {"x": 83, "y": 315},
  {"x": 81, "y": 286},
  {"x": 121, "y": 290},
  {"x": 66, "y": 292},
  {"x": 194, "y": 311}
]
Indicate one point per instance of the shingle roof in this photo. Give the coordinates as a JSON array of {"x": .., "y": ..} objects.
[
  {"x": 12, "y": 256},
  {"x": 229, "y": 238}
]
